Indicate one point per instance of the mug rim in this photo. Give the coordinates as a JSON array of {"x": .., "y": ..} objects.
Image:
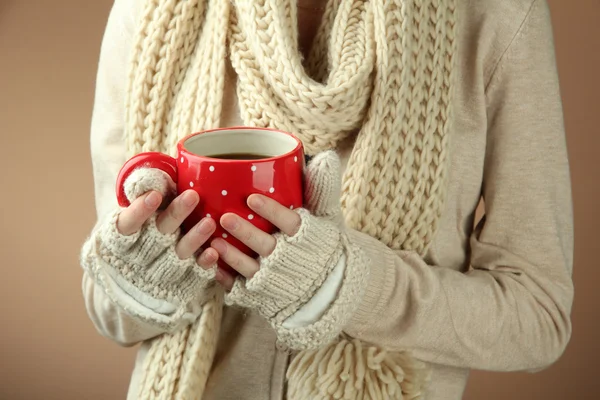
[{"x": 182, "y": 149}]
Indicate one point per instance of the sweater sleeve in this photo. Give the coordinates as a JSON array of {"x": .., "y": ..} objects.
[
  {"x": 511, "y": 310},
  {"x": 108, "y": 155}
]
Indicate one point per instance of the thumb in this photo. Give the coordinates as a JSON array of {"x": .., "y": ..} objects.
[
  {"x": 323, "y": 185},
  {"x": 143, "y": 180}
]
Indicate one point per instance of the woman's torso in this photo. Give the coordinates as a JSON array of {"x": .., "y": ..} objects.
[{"x": 248, "y": 365}]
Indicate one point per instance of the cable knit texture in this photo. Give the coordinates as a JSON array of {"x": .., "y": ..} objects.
[{"x": 384, "y": 68}]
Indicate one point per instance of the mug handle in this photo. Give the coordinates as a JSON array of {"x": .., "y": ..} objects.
[{"x": 151, "y": 159}]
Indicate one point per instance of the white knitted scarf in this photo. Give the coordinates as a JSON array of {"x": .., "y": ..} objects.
[{"x": 383, "y": 68}]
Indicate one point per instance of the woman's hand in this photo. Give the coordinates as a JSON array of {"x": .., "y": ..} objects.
[
  {"x": 295, "y": 263},
  {"x": 286, "y": 220},
  {"x": 141, "y": 250},
  {"x": 132, "y": 218}
]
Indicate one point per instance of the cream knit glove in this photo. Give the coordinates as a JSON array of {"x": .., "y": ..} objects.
[
  {"x": 146, "y": 260},
  {"x": 290, "y": 276}
]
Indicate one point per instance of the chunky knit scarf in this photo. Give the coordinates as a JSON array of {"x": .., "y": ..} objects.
[{"x": 383, "y": 68}]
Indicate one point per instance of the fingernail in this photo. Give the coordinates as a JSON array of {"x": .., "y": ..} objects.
[
  {"x": 190, "y": 198},
  {"x": 255, "y": 202},
  {"x": 204, "y": 226},
  {"x": 219, "y": 246},
  {"x": 209, "y": 256},
  {"x": 229, "y": 222},
  {"x": 152, "y": 199}
]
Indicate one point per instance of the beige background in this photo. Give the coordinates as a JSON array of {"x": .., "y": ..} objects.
[{"x": 48, "y": 347}]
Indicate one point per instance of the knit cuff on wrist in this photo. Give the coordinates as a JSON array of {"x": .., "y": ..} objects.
[
  {"x": 187, "y": 288},
  {"x": 141, "y": 247},
  {"x": 187, "y": 304},
  {"x": 168, "y": 277},
  {"x": 293, "y": 272},
  {"x": 147, "y": 259},
  {"x": 338, "y": 315}
]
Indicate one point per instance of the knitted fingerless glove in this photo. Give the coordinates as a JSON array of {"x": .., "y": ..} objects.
[
  {"x": 146, "y": 261},
  {"x": 291, "y": 275}
]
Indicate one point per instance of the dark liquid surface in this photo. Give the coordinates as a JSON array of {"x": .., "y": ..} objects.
[{"x": 240, "y": 156}]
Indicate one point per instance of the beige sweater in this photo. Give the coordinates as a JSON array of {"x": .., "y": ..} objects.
[{"x": 497, "y": 297}]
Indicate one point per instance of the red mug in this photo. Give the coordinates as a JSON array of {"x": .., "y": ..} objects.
[{"x": 225, "y": 166}]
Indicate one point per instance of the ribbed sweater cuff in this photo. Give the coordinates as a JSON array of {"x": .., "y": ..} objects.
[
  {"x": 381, "y": 263},
  {"x": 295, "y": 270}
]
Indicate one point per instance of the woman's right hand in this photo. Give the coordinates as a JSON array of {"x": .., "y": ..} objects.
[
  {"x": 132, "y": 218},
  {"x": 140, "y": 251}
]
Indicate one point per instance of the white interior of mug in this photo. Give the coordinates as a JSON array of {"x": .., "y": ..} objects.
[{"x": 254, "y": 141}]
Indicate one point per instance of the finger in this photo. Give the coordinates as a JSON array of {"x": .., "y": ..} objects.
[
  {"x": 323, "y": 185},
  {"x": 259, "y": 241},
  {"x": 237, "y": 260},
  {"x": 131, "y": 219},
  {"x": 286, "y": 220},
  {"x": 225, "y": 279},
  {"x": 195, "y": 237},
  {"x": 208, "y": 258},
  {"x": 170, "y": 219},
  {"x": 145, "y": 179}
]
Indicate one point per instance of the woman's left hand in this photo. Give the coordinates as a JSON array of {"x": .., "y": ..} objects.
[
  {"x": 295, "y": 263},
  {"x": 286, "y": 220}
]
